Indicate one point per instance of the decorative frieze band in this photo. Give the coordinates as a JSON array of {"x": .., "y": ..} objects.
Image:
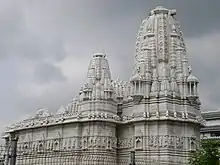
[
  {"x": 166, "y": 115},
  {"x": 108, "y": 143},
  {"x": 72, "y": 143},
  {"x": 162, "y": 141}
]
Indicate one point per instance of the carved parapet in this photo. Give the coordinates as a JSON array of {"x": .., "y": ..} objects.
[{"x": 103, "y": 116}]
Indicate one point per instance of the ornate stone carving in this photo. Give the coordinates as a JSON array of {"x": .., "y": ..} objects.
[
  {"x": 42, "y": 113},
  {"x": 56, "y": 145},
  {"x": 175, "y": 114},
  {"x": 61, "y": 111},
  {"x": 164, "y": 141},
  {"x": 125, "y": 143},
  {"x": 167, "y": 113},
  {"x": 138, "y": 142}
]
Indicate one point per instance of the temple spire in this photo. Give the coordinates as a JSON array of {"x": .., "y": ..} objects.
[
  {"x": 161, "y": 62},
  {"x": 98, "y": 83}
]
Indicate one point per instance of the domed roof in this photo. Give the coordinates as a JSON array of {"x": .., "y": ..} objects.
[
  {"x": 62, "y": 110},
  {"x": 136, "y": 77},
  {"x": 192, "y": 78}
]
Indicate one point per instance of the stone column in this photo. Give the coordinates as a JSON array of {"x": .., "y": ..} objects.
[{"x": 14, "y": 140}]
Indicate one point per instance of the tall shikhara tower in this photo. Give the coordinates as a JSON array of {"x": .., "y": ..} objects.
[
  {"x": 163, "y": 119},
  {"x": 156, "y": 113}
]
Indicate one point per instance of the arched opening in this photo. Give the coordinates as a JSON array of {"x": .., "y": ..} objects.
[
  {"x": 138, "y": 143},
  {"x": 109, "y": 144},
  {"x": 192, "y": 146}
]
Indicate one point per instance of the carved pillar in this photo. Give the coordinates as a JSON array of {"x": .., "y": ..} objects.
[
  {"x": 78, "y": 135},
  {"x": 190, "y": 88},
  {"x": 14, "y": 141}
]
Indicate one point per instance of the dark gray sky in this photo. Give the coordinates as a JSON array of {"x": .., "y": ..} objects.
[{"x": 46, "y": 45}]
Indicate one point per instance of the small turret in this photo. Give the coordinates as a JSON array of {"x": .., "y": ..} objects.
[
  {"x": 137, "y": 84},
  {"x": 192, "y": 86},
  {"x": 136, "y": 80}
]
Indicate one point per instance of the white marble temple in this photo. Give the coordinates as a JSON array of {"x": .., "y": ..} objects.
[{"x": 156, "y": 113}]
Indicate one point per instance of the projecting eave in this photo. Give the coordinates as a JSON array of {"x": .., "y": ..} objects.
[
  {"x": 209, "y": 115},
  {"x": 5, "y": 136},
  {"x": 210, "y": 129}
]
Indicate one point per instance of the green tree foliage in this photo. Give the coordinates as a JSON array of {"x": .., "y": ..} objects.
[{"x": 206, "y": 154}]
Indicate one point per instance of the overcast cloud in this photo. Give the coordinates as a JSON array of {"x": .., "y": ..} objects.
[{"x": 46, "y": 45}]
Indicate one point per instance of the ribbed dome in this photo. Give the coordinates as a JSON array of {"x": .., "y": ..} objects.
[
  {"x": 136, "y": 77},
  {"x": 192, "y": 78}
]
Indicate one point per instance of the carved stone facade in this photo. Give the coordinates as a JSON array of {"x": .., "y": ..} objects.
[{"x": 156, "y": 113}]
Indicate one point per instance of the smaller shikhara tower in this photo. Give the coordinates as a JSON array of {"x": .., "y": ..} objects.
[{"x": 156, "y": 113}]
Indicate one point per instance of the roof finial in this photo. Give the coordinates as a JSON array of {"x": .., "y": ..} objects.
[{"x": 190, "y": 69}]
